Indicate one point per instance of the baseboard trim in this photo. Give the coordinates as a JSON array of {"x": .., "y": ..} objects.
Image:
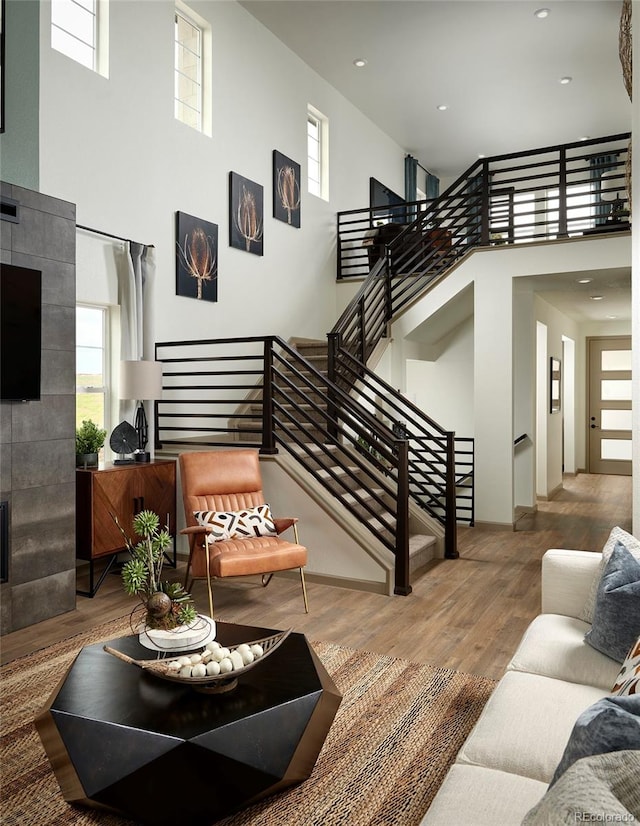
[
  {"x": 337, "y": 581},
  {"x": 552, "y": 494},
  {"x": 494, "y": 526}
]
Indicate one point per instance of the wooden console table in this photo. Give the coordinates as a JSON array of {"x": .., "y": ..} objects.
[{"x": 124, "y": 491}]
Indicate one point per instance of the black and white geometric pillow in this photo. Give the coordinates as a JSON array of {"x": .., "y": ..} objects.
[{"x": 242, "y": 524}]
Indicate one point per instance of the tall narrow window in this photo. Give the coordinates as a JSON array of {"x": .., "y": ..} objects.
[
  {"x": 92, "y": 365},
  {"x": 79, "y": 30},
  {"x": 188, "y": 70},
  {"x": 317, "y": 153}
]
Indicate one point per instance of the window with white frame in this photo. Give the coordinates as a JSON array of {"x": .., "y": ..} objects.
[
  {"x": 317, "y": 153},
  {"x": 188, "y": 75},
  {"x": 92, "y": 365},
  {"x": 79, "y": 30}
]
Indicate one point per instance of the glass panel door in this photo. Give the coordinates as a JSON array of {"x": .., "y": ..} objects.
[{"x": 609, "y": 413}]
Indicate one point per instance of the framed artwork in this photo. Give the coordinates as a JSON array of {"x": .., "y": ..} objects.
[
  {"x": 555, "y": 385},
  {"x": 286, "y": 189},
  {"x": 246, "y": 214},
  {"x": 196, "y": 258}
]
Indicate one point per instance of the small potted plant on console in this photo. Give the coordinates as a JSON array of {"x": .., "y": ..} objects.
[{"x": 89, "y": 441}]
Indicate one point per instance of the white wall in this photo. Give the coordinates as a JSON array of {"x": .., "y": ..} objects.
[
  {"x": 557, "y": 326},
  {"x": 441, "y": 381},
  {"x": 503, "y": 384},
  {"x": 113, "y": 147}
]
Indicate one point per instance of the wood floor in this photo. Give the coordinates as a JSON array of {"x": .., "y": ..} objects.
[{"x": 466, "y": 614}]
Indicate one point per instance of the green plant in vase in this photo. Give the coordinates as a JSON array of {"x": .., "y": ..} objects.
[
  {"x": 89, "y": 441},
  {"x": 166, "y": 604}
]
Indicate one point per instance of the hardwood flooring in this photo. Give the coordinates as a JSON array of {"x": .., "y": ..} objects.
[{"x": 466, "y": 614}]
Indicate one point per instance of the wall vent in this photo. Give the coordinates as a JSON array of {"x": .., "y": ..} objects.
[{"x": 10, "y": 210}]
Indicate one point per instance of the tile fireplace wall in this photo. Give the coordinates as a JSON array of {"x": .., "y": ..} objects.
[{"x": 37, "y": 446}]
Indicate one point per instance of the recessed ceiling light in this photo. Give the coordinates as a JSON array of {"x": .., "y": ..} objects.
[
  {"x": 612, "y": 316},
  {"x": 541, "y": 13},
  {"x": 585, "y": 280},
  {"x": 583, "y": 138},
  {"x": 596, "y": 297},
  {"x": 442, "y": 107},
  {"x": 359, "y": 62},
  {"x": 565, "y": 80}
]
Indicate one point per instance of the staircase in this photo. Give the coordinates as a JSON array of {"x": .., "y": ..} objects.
[{"x": 335, "y": 465}]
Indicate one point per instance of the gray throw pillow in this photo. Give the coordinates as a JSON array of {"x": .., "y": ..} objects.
[
  {"x": 610, "y": 724},
  {"x": 616, "y": 614}
]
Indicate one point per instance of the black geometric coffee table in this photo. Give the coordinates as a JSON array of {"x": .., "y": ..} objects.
[{"x": 117, "y": 737}]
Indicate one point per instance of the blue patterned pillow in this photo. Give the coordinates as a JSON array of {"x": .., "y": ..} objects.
[
  {"x": 610, "y": 724},
  {"x": 616, "y": 614}
]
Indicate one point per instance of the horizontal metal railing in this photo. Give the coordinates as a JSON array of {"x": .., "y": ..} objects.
[
  {"x": 546, "y": 194},
  {"x": 440, "y": 465},
  {"x": 537, "y": 195},
  {"x": 262, "y": 393}
]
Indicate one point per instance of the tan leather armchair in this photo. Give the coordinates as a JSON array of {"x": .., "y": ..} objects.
[{"x": 230, "y": 480}]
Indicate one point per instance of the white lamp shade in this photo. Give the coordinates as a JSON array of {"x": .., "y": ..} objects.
[{"x": 140, "y": 380}]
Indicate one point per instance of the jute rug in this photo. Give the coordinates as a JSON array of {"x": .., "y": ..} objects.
[{"x": 397, "y": 731}]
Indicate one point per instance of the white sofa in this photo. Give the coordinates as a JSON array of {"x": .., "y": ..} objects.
[{"x": 507, "y": 762}]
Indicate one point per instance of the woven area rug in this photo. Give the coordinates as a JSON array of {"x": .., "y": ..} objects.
[{"x": 397, "y": 731}]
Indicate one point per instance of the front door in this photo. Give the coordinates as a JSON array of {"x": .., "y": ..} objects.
[{"x": 609, "y": 409}]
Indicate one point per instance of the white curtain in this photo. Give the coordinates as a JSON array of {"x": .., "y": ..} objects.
[{"x": 134, "y": 281}]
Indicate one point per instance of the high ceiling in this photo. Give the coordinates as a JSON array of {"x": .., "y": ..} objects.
[{"x": 493, "y": 63}]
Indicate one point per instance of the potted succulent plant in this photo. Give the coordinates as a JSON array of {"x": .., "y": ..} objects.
[
  {"x": 89, "y": 441},
  {"x": 166, "y": 605}
]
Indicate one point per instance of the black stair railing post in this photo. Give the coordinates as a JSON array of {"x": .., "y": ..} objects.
[
  {"x": 363, "y": 331},
  {"x": 450, "y": 525},
  {"x": 402, "y": 574},
  {"x": 562, "y": 194},
  {"x": 485, "y": 204},
  {"x": 334, "y": 341},
  {"x": 268, "y": 438},
  {"x": 388, "y": 293}
]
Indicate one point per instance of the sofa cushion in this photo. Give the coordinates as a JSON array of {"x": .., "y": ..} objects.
[
  {"x": 610, "y": 724},
  {"x": 616, "y": 614},
  {"x": 628, "y": 680},
  {"x": 554, "y": 646},
  {"x": 617, "y": 535},
  {"x": 476, "y": 796},
  {"x": 597, "y": 789},
  {"x": 526, "y": 724}
]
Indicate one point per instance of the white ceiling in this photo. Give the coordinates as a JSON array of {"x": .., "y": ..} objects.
[{"x": 492, "y": 62}]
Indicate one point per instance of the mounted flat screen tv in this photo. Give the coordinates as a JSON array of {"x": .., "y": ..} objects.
[
  {"x": 20, "y": 333},
  {"x": 381, "y": 196}
]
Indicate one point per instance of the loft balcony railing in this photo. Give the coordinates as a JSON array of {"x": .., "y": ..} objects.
[
  {"x": 260, "y": 392},
  {"x": 541, "y": 195}
]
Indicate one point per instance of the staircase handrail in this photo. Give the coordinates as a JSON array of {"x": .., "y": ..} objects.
[{"x": 311, "y": 402}]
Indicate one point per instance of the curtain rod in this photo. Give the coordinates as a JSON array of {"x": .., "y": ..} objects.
[
  {"x": 109, "y": 235},
  {"x": 423, "y": 168}
]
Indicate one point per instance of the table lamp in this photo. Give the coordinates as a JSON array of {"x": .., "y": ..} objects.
[{"x": 141, "y": 380}]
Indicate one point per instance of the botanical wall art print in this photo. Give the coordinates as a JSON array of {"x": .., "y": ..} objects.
[
  {"x": 246, "y": 214},
  {"x": 286, "y": 189},
  {"x": 196, "y": 257}
]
